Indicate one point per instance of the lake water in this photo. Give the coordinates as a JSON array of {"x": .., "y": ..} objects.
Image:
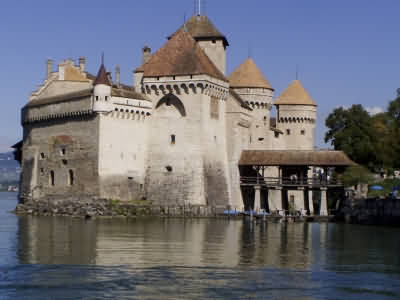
[{"x": 63, "y": 258}]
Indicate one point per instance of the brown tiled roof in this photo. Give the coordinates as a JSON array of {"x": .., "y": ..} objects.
[
  {"x": 201, "y": 28},
  {"x": 181, "y": 55},
  {"x": 61, "y": 98},
  {"x": 239, "y": 99},
  {"x": 248, "y": 75},
  {"x": 102, "y": 77},
  {"x": 294, "y": 158},
  {"x": 126, "y": 91},
  {"x": 295, "y": 94}
]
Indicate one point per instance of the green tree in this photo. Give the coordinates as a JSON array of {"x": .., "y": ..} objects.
[
  {"x": 351, "y": 131},
  {"x": 355, "y": 175}
]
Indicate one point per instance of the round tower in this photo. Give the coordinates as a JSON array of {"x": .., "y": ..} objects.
[
  {"x": 296, "y": 116},
  {"x": 249, "y": 82},
  {"x": 102, "y": 92}
]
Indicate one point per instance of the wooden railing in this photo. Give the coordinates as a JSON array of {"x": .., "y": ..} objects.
[{"x": 285, "y": 181}]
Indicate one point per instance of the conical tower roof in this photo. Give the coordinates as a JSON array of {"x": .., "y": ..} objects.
[
  {"x": 201, "y": 28},
  {"x": 102, "y": 77},
  {"x": 181, "y": 55},
  {"x": 248, "y": 75},
  {"x": 295, "y": 94}
]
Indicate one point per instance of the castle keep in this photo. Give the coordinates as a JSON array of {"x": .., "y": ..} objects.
[{"x": 184, "y": 133}]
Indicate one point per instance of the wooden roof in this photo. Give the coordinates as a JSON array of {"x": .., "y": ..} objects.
[
  {"x": 294, "y": 158},
  {"x": 102, "y": 77},
  {"x": 248, "y": 75},
  {"x": 181, "y": 55},
  {"x": 201, "y": 28},
  {"x": 295, "y": 94}
]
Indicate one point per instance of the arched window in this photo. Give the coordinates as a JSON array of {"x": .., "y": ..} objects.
[
  {"x": 71, "y": 177},
  {"x": 172, "y": 100},
  {"x": 51, "y": 178}
]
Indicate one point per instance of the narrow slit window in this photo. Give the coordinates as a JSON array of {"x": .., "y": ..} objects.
[
  {"x": 51, "y": 178},
  {"x": 173, "y": 139},
  {"x": 288, "y": 131},
  {"x": 71, "y": 177}
]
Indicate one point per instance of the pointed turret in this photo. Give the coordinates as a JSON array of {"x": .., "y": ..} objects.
[
  {"x": 296, "y": 116},
  {"x": 295, "y": 94},
  {"x": 102, "y": 77},
  {"x": 248, "y": 75},
  {"x": 102, "y": 91},
  {"x": 180, "y": 56}
]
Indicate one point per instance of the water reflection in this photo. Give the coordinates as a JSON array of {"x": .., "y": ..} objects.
[
  {"x": 195, "y": 259},
  {"x": 164, "y": 242}
]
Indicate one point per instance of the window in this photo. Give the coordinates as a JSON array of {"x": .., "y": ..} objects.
[
  {"x": 288, "y": 131},
  {"x": 97, "y": 98},
  {"x": 303, "y": 132},
  {"x": 42, "y": 156},
  {"x": 71, "y": 177},
  {"x": 173, "y": 139},
  {"x": 41, "y": 171},
  {"x": 260, "y": 139},
  {"x": 106, "y": 98},
  {"x": 214, "y": 108},
  {"x": 51, "y": 178},
  {"x": 276, "y": 134},
  {"x": 65, "y": 162},
  {"x": 62, "y": 151},
  {"x": 214, "y": 41},
  {"x": 168, "y": 168}
]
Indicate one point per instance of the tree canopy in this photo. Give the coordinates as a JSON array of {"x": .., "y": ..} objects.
[{"x": 371, "y": 141}]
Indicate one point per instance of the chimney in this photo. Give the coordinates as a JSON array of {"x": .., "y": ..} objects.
[
  {"x": 82, "y": 62},
  {"x": 109, "y": 77},
  {"x": 146, "y": 51},
  {"x": 118, "y": 75},
  {"x": 49, "y": 67}
]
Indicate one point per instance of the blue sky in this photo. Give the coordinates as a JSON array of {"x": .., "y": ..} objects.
[{"x": 348, "y": 52}]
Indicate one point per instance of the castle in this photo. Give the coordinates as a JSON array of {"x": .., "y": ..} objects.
[{"x": 182, "y": 134}]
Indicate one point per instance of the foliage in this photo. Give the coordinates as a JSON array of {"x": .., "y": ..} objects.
[
  {"x": 372, "y": 141},
  {"x": 351, "y": 130},
  {"x": 387, "y": 185},
  {"x": 355, "y": 175}
]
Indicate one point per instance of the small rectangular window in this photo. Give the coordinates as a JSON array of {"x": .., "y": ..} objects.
[
  {"x": 276, "y": 134},
  {"x": 303, "y": 132},
  {"x": 173, "y": 139},
  {"x": 214, "y": 108},
  {"x": 288, "y": 131}
]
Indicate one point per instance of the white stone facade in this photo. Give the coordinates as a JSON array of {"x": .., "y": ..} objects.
[{"x": 171, "y": 140}]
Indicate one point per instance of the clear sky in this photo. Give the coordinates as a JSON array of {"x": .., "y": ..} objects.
[{"x": 348, "y": 52}]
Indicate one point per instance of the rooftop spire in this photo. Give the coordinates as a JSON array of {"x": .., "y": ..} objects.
[{"x": 102, "y": 77}]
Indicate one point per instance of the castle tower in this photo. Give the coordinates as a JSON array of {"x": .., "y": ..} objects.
[
  {"x": 296, "y": 116},
  {"x": 187, "y": 158},
  {"x": 209, "y": 38},
  {"x": 102, "y": 92},
  {"x": 248, "y": 81}
]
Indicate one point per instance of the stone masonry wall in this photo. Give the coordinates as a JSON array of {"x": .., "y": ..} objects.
[{"x": 60, "y": 159}]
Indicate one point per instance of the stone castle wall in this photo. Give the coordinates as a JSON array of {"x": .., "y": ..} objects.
[
  {"x": 60, "y": 159},
  {"x": 123, "y": 140}
]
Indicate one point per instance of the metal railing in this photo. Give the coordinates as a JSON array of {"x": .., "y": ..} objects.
[{"x": 289, "y": 181}]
